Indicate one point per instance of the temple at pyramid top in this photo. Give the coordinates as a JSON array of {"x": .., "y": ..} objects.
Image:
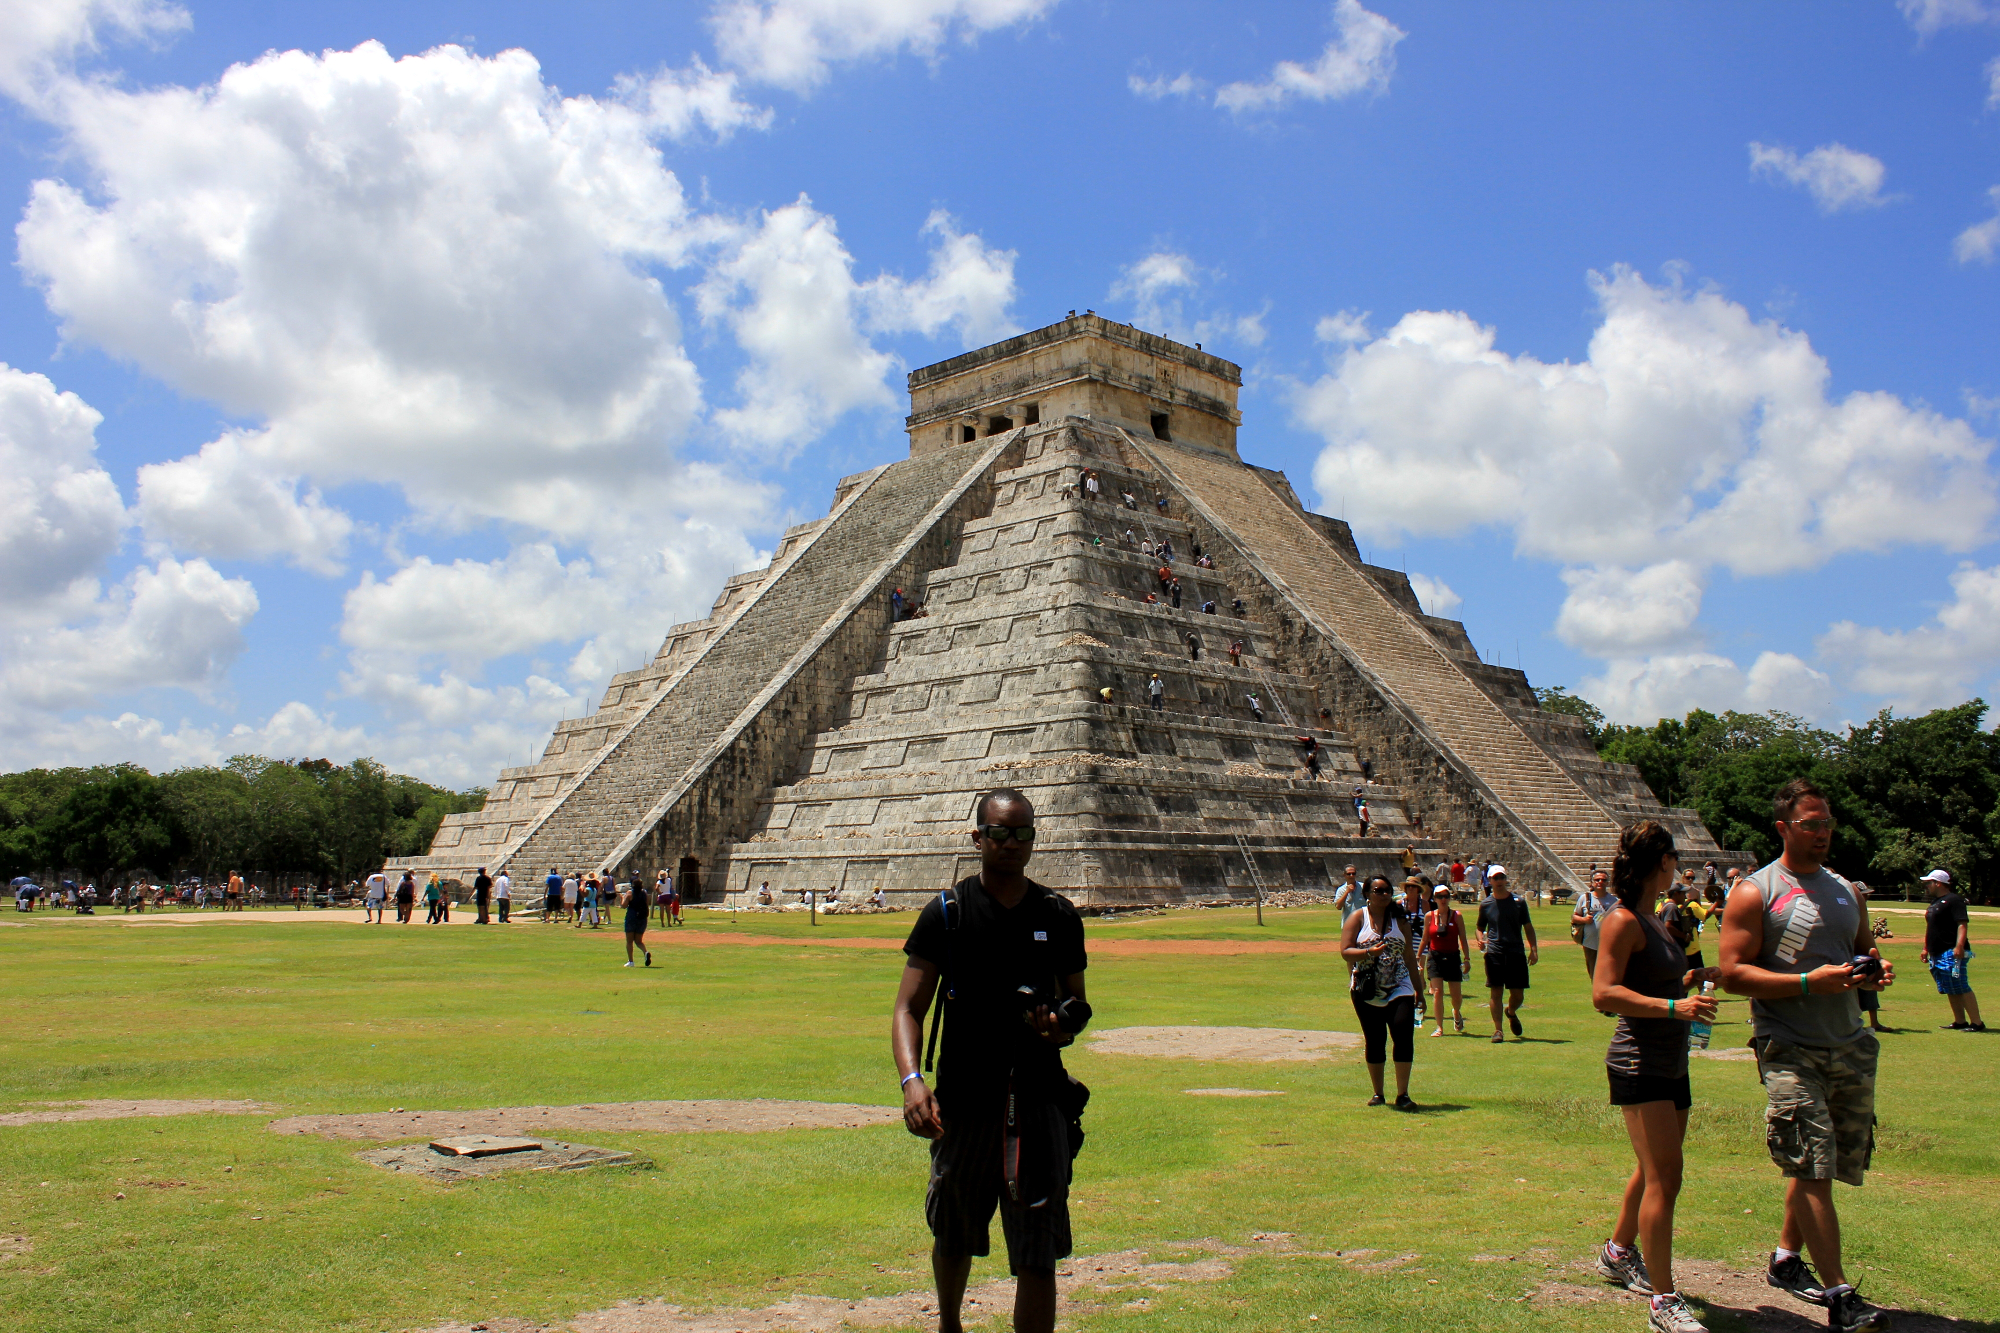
[
  {"x": 1073, "y": 585},
  {"x": 1084, "y": 366}
]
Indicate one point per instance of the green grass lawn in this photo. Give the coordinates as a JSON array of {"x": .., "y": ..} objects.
[{"x": 227, "y": 1226}]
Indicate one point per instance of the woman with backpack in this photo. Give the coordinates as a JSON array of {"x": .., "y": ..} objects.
[{"x": 1382, "y": 986}]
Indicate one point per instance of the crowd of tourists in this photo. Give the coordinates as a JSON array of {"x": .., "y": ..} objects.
[{"x": 1793, "y": 938}]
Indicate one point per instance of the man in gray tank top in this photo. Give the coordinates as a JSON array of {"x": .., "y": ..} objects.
[{"x": 1790, "y": 934}]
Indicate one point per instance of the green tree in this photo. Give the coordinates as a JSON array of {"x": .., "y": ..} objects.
[
  {"x": 213, "y": 807},
  {"x": 1932, "y": 784},
  {"x": 120, "y": 822},
  {"x": 1557, "y": 699},
  {"x": 356, "y": 813}
]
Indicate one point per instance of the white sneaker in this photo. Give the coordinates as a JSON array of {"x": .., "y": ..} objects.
[
  {"x": 628, "y": 962},
  {"x": 1670, "y": 1314}
]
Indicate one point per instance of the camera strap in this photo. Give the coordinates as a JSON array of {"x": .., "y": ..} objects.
[{"x": 945, "y": 901}]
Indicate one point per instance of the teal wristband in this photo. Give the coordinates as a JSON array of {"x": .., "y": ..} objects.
[
  {"x": 1805, "y": 983},
  {"x": 1670, "y": 1008}
]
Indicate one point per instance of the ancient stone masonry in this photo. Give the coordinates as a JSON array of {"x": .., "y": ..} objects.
[{"x": 801, "y": 737}]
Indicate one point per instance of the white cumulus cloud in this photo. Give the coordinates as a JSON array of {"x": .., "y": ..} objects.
[
  {"x": 1643, "y": 690},
  {"x": 1435, "y": 595},
  {"x": 1929, "y": 16},
  {"x": 1361, "y": 58},
  {"x": 1349, "y": 326},
  {"x": 1163, "y": 288},
  {"x": 786, "y": 290},
  {"x": 227, "y": 501},
  {"x": 429, "y": 273},
  {"x": 1691, "y": 432},
  {"x": 1978, "y": 243},
  {"x": 792, "y": 43},
  {"x": 1944, "y": 662},
  {"x": 1159, "y": 86},
  {"x": 41, "y": 39},
  {"x": 60, "y": 513},
  {"x": 1838, "y": 177},
  {"x": 1613, "y": 612},
  {"x": 678, "y": 103}
]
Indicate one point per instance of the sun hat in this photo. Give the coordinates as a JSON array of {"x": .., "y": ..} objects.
[{"x": 1939, "y": 877}]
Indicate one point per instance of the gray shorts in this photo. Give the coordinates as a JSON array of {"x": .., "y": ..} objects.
[
  {"x": 1819, "y": 1117},
  {"x": 968, "y": 1182}
]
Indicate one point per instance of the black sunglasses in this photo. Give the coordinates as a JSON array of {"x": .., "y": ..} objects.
[{"x": 1002, "y": 832}]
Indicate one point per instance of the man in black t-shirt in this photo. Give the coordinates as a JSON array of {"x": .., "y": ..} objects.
[
  {"x": 1946, "y": 949},
  {"x": 1503, "y": 921},
  {"x": 999, "y": 1122}
]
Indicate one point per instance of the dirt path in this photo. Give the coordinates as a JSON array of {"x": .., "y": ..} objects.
[
  {"x": 115, "y": 1109},
  {"x": 702, "y": 1117},
  {"x": 1220, "y": 1043}
]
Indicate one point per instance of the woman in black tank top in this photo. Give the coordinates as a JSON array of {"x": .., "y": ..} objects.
[{"x": 1641, "y": 977}]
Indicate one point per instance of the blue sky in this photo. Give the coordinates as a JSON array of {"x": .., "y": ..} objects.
[{"x": 386, "y": 398}]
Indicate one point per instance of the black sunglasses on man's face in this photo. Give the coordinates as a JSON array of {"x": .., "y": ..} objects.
[{"x": 1002, "y": 832}]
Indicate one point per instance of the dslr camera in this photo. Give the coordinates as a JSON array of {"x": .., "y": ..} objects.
[{"x": 1071, "y": 1012}]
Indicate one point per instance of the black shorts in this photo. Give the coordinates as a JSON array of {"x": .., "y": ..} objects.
[
  {"x": 967, "y": 1183},
  {"x": 1507, "y": 971},
  {"x": 1694, "y": 962},
  {"x": 1638, "y": 1089},
  {"x": 1446, "y": 967}
]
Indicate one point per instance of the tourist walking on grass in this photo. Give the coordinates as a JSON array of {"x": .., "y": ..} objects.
[
  {"x": 1382, "y": 986},
  {"x": 1351, "y": 895},
  {"x": 1447, "y": 956},
  {"x": 374, "y": 902},
  {"x": 1791, "y": 933},
  {"x": 1947, "y": 946},
  {"x": 636, "y": 916},
  {"x": 1506, "y": 936},
  {"x": 482, "y": 896},
  {"x": 1641, "y": 977},
  {"x": 433, "y": 894},
  {"x": 503, "y": 894},
  {"x": 1587, "y": 922},
  {"x": 663, "y": 888},
  {"x": 406, "y": 897},
  {"x": 552, "y": 887},
  {"x": 572, "y": 898}
]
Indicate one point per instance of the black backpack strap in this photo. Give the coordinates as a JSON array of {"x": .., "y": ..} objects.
[{"x": 945, "y": 900}]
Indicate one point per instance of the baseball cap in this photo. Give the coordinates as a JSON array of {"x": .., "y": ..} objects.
[
  {"x": 1939, "y": 877},
  {"x": 1491, "y": 871}
]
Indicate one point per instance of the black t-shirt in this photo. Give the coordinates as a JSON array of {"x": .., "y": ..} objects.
[
  {"x": 1941, "y": 922},
  {"x": 985, "y": 955},
  {"x": 1502, "y": 920},
  {"x": 481, "y": 887}
]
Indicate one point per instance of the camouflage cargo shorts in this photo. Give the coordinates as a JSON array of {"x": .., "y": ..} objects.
[{"x": 1819, "y": 1117}]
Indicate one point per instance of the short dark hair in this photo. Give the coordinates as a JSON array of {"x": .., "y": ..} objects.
[
  {"x": 1786, "y": 802},
  {"x": 1002, "y": 795},
  {"x": 1641, "y": 848}
]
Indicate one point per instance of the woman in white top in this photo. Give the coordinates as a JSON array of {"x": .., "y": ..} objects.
[{"x": 1377, "y": 948}]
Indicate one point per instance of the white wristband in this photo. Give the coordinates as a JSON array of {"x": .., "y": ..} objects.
[{"x": 908, "y": 1077}]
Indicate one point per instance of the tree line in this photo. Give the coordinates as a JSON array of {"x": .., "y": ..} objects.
[
  {"x": 1909, "y": 793},
  {"x": 297, "y": 817}
]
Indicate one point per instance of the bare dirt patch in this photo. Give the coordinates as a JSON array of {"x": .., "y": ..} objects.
[
  {"x": 706, "y": 1117},
  {"x": 1727, "y": 1053},
  {"x": 1233, "y": 1092},
  {"x": 120, "y": 1109},
  {"x": 1083, "y": 1282},
  {"x": 1246, "y": 1044},
  {"x": 1724, "y": 1288}
]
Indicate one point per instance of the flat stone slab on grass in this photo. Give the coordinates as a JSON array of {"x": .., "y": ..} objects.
[
  {"x": 483, "y": 1145},
  {"x": 423, "y": 1159},
  {"x": 697, "y": 1117},
  {"x": 120, "y": 1109},
  {"x": 1247, "y": 1044},
  {"x": 1233, "y": 1092}
]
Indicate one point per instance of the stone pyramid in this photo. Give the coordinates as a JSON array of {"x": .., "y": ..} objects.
[{"x": 806, "y": 736}]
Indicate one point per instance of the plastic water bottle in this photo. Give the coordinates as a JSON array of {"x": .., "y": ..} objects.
[{"x": 1699, "y": 1031}]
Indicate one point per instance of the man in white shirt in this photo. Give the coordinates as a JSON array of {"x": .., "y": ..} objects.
[
  {"x": 377, "y": 899},
  {"x": 503, "y": 894}
]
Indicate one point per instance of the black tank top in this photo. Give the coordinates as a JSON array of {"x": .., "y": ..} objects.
[{"x": 1652, "y": 1047}]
